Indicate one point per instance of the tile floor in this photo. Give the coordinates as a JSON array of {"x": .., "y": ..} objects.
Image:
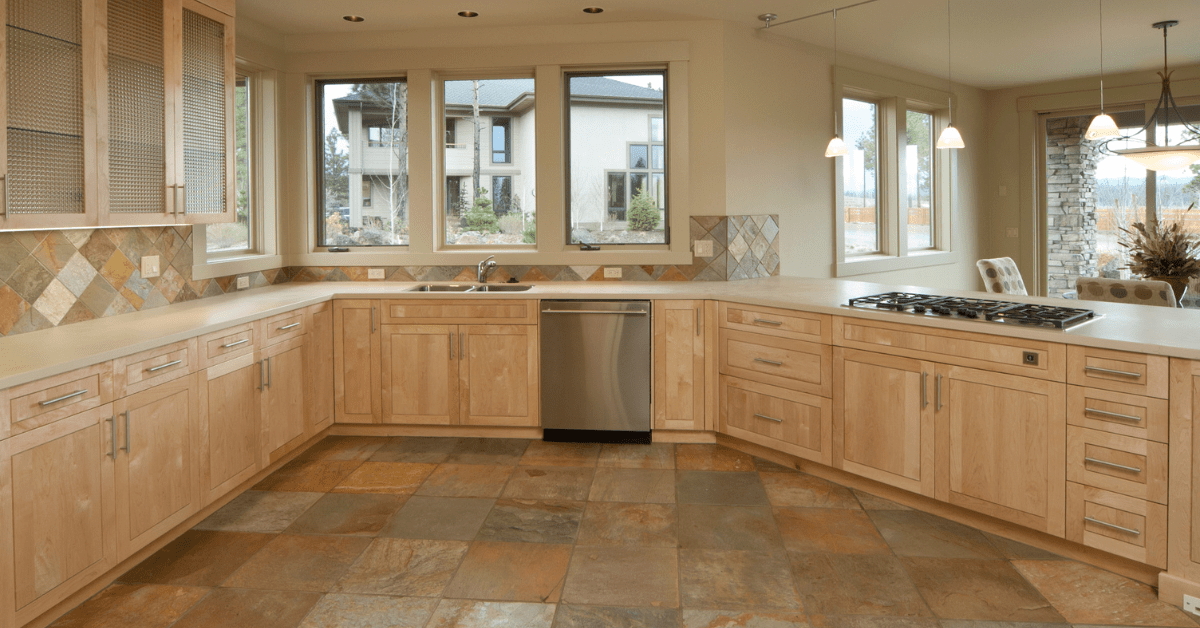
[{"x": 468, "y": 533}]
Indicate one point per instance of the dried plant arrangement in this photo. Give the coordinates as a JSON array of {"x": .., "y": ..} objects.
[{"x": 1162, "y": 251}]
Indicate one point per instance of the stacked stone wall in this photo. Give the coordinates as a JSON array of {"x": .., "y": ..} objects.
[{"x": 1071, "y": 242}]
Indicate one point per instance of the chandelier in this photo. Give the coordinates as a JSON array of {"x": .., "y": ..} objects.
[{"x": 1162, "y": 156}]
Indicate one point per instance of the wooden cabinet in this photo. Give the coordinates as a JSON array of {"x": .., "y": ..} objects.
[
  {"x": 56, "y": 512},
  {"x": 157, "y": 462},
  {"x": 284, "y": 384},
  {"x": 420, "y": 373},
  {"x": 36, "y": 404},
  {"x": 356, "y": 362},
  {"x": 141, "y": 371},
  {"x": 1001, "y": 446},
  {"x": 320, "y": 368},
  {"x": 793, "y": 422},
  {"x": 1183, "y": 508},
  {"x": 498, "y": 375},
  {"x": 679, "y": 365},
  {"x": 883, "y": 422},
  {"x": 1117, "y": 524},
  {"x": 230, "y": 427},
  {"x": 1118, "y": 371}
]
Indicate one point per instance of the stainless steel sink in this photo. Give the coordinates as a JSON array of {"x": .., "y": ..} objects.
[
  {"x": 496, "y": 287},
  {"x": 502, "y": 287},
  {"x": 434, "y": 288}
]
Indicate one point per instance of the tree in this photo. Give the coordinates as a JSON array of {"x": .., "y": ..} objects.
[
  {"x": 643, "y": 211},
  {"x": 241, "y": 149},
  {"x": 481, "y": 217},
  {"x": 337, "y": 173},
  {"x": 391, "y": 100},
  {"x": 917, "y": 127},
  {"x": 477, "y": 123}
]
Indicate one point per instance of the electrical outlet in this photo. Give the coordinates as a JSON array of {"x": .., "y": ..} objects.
[
  {"x": 374, "y": 273},
  {"x": 1011, "y": 232},
  {"x": 243, "y": 283},
  {"x": 612, "y": 273},
  {"x": 1030, "y": 358},
  {"x": 1191, "y": 604},
  {"x": 704, "y": 248},
  {"x": 150, "y": 266}
]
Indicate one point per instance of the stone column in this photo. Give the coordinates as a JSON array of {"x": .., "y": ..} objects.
[{"x": 1071, "y": 240}]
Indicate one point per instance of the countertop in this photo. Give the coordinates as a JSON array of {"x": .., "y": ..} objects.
[{"x": 29, "y": 357}]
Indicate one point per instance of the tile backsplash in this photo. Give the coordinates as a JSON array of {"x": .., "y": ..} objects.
[{"x": 51, "y": 278}]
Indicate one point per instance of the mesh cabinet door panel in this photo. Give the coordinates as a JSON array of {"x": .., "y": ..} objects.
[
  {"x": 136, "y": 108},
  {"x": 205, "y": 117}
]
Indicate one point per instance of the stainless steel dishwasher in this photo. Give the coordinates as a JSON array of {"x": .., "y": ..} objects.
[{"x": 596, "y": 371}]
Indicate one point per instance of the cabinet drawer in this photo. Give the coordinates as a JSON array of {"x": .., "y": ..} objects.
[
  {"x": 793, "y": 364},
  {"x": 1122, "y": 464},
  {"x": 141, "y": 371},
  {"x": 775, "y": 322},
  {"x": 1120, "y": 371},
  {"x": 283, "y": 327},
  {"x": 226, "y": 344},
  {"x": 793, "y": 422},
  {"x": 1118, "y": 413},
  {"x": 465, "y": 311},
  {"x": 1117, "y": 524},
  {"x": 55, "y": 398}
]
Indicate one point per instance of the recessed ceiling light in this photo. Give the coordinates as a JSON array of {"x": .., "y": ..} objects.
[
  {"x": 353, "y": 18},
  {"x": 467, "y": 14},
  {"x": 593, "y": 10}
]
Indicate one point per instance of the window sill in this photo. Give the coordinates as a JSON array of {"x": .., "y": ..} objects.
[
  {"x": 226, "y": 266},
  {"x": 868, "y": 264},
  {"x": 402, "y": 256}
]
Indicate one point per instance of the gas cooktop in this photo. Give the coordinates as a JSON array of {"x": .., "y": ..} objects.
[{"x": 977, "y": 309}]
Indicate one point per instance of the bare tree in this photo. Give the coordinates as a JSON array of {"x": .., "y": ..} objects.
[
  {"x": 392, "y": 98},
  {"x": 477, "y": 121}
]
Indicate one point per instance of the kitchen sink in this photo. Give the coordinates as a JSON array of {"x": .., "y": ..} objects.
[
  {"x": 470, "y": 288},
  {"x": 449, "y": 288},
  {"x": 501, "y": 287}
]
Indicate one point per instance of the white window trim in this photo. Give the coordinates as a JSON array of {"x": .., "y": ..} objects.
[
  {"x": 264, "y": 126},
  {"x": 894, "y": 98}
]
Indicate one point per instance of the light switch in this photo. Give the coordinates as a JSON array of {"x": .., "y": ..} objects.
[
  {"x": 150, "y": 266},
  {"x": 243, "y": 283},
  {"x": 374, "y": 273},
  {"x": 612, "y": 273},
  {"x": 704, "y": 248}
]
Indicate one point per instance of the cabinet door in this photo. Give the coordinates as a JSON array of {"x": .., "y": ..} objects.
[
  {"x": 157, "y": 470},
  {"x": 56, "y": 512},
  {"x": 356, "y": 377},
  {"x": 1002, "y": 446},
  {"x": 230, "y": 431},
  {"x": 420, "y": 374},
  {"x": 204, "y": 155},
  {"x": 679, "y": 365},
  {"x": 136, "y": 100},
  {"x": 883, "y": 419},
  {"x": 283, "y": 398},
  {"x": 1183, "y": 515},
  {"x": 498, "y": 374},
  {"x": 50, "y": 145},
  {"x": 320, "y": 368}
]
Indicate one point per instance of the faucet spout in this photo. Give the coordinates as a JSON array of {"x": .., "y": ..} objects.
[{"x": 485, "y": 268}]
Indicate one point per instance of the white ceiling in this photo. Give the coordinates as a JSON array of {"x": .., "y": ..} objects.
[{"x": 997, "y": 43}]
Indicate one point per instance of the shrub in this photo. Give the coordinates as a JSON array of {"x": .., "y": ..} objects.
[
  {"x": 480, "y": 217},
  {"x": 643, "y": 211},
  {"x": 529, "y": 234}
]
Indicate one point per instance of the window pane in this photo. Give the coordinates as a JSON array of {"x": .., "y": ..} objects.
[
  {"x": 1120, "y": 202},
  {"x": 658, "y": 189},
  {"x": 611, "y": 120},
  {"x": 918, "y": 169},
  {"x": 235, "y": 236},
  {"x": 658, "y": 156},
  {"x": 860, "y": 185},
  {"x": 451, "y": 131},
  {"x": 365, "y": 124},
  {"x": 490, "y": 200}
]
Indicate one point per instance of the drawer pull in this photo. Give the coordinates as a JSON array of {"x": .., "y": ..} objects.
[
  {"x": 155, "y": 369},
  {"x": 1096, "y": 369},
  {"x": 771, "y": 362},
  {"x": 234, "y": 344},
  {"x": 1114, "y": 415},
  {"x": 769, "y": 418},
  {"x": 767, "y": 322},
  {"x": 1113, "y": 465},
  {"x": 287, "y": 327},
  {"x": 1112, "y": 525},
  {"x": 63, "y": 398},
  {"x": 112, "y": 442}
]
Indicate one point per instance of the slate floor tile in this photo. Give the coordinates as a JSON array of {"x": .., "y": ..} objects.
[
  {"x": 339, "y": 610},
  {"x": 471, "y": 614},
  {"x": 501, "y": 451},
  {"x": 401, "y": 478},
  {"x": 806, "y": 491},
  {"x": 734, "y": 580},
  {"x": 439, "y": 518},
  {"x": 837, "y": 584},
  {"x": 149, "y": 605},
  {"x": 339, "y": 513},
  {"x": 633, "y": 485},
  {"x": 516, "y": 572},
  {"x": 199, "y": 558},
  {"x": 743, "y": 619},
  {"x": 1088, "y": 595},
  {"x": 548, "y": 454},
  {"x": 647, "y": 525},
  {"x": 749, "y": 528},
  {"x": 531, "y": 521},
  {"x": 465, "y": 480},
  {"x": 415, "y": 449},
  {"x": 652, "y": 456},
  {"x": 298, "y": 563},
  {"x": 345, "y": 448},
  {"x": 248, "y": 607},
  {"x": 550, "y": 483},
  {"x": 719, "y": 487},
  {"x": 407, "y": 567},
  {"x": 573, "y": 616},
  {"x": 829, "y": 530},
  {"x": 965, "y": 588},
  {"x": 628, "y": 576},
  {"x": 913, "y": 533},
  {"x": 703, "y": 457},
  {"x": 260, "y": 511},
  {"x": 311, "y": 476}
]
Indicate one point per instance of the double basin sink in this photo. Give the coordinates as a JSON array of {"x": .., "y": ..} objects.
[{"x": 494, "y": 287}]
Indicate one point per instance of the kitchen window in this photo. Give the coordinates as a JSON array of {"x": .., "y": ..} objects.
[{"x": 237, "y": 238}]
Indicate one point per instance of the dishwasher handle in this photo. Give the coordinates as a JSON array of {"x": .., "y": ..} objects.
[{"x": 618, "y": 312}]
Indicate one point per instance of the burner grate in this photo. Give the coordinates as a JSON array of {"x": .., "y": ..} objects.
[{"x": 986, "y": 309}]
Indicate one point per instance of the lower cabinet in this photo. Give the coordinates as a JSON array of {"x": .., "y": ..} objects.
[
  {"x": 356, "y": 361},
  {"x": 319, "y": 403},
  {"x": 679, "y": 365},
  {"x": 787, "y": 420},
  {"x": 1001, "y": 446},
  {"x": 283, "y": 397},
  {"x": 231, "y": 431},
  {"x": 420, "y": 374},
  {"x": 1183, "y": 517}
]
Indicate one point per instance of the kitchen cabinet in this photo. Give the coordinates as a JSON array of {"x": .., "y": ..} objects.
[
  {"x": 357, "y": 383},
  {"x": 283, "y": 394},
  {"x": 320, "y": 368},
  {"x": 230, "y": 425},
  {"x": 883, "y": 425},
  {"x": 1183, "y": 508},
  {"x": 157, "y": 462},
  {"x": 498, "y": 375},
  {"x": 420, "y": 370},
  {"x": 1001, "y": 446},
  {"x": 786, "y": 420},
  {"x": 679, "y": 365},
  {"x": 57, "y": 512}
]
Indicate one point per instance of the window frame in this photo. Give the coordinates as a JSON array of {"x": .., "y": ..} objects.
[
  {"x": 895, "y": 98},
  {"x": 508, "y": 143}
]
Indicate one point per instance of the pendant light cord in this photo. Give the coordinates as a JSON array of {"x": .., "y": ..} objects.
[
  {"x": 835, "y": 47},
  {"x": 949, "y": 66},
  {"x": 1101, "y": 57}
]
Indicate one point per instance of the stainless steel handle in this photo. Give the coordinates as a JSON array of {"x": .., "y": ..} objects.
[
  {"x": 451, "y": 345},
  {"x": 63, "y": 398},
  {"x": 1112, "y": 525},
  {"x": 767, "y": 322},
  {"x": 181, "y": 199},
  {"x": 769, "y": 418},
  {"x": 924, "y": 389},
  {"x": 112, "y": 443},
  {"x": 698, "y": 321},
  {"x": 234, "y": 344},
  {"x": 372, "y": 319},
  {"x": 270, "y": 372},
  {"x": 1113, "y": 465},
  {"x": 169, "y": 198},
  {"x": 1096, "y": 369},
  {"x": 771, "y": 362},
  {"x": 462, "y": 345},
  {"x": 939, "y": 391},
  {"x": 126, "y": 448},
  {"x": 262, "y": 374},
  {"x": 617, "y": 312},
  {"x": 287, "y": 327},
  {"x": 155, "y": 369},
  {"x": 3, "y": 194},
  {"x": 1114, "y": 415}
]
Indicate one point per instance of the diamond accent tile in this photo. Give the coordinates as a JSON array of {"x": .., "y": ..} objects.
[
  {"x": 77, "y": 275},
  {"x": 55, "y": 302}
]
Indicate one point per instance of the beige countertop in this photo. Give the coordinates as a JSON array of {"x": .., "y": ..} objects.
[{"x": 29, "y": 357}]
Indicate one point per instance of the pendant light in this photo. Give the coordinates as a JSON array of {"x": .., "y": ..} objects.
[
  {"x": 950, "y": 137},
  {"x": 1102, "y": 126},
  {"x": 836, "y": 148}
]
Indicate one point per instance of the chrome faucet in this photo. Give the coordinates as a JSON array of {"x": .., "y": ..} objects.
[{"x": 485, "y": 268}]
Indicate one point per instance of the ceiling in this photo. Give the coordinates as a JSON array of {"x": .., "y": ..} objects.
[{"x": 996, "y": 43}]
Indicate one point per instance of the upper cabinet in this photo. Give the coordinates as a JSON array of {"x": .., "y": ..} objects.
[{"x": 117, "y": 112}]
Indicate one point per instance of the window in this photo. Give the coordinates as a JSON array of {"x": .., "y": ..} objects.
[
  {"x": 222, "y": 239},
  {"x": 616, "y": 175},
  {"x": 860, "y": 180},
  {"x": 918, "y": 169},
  {"x": 365, "y": 123},
  {"x": 489, "y": 201}
]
